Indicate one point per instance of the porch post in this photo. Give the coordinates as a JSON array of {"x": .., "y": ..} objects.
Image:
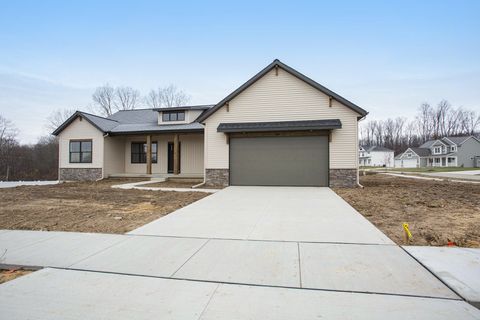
[
  {"x": 176, "y": 155},
  {"x": 149, "y": 154}
]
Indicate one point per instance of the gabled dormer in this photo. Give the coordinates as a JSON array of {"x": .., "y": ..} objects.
[
  {"x": 439, "y": 147},
  {"x": 452, "y": 146},
  {"x": 180, "y": 115}
]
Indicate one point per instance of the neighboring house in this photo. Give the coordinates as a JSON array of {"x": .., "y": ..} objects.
[
  {"x": 444, "y": 152},
  {"x": 278, "y": 128},
  {"x": 375, "y": 156}
]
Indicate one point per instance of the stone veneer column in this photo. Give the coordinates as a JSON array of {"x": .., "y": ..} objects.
[
  {"x": 343, "y": 178},
  {"x": 216, "y": 177},
  {"x": 79, "y": 174}
]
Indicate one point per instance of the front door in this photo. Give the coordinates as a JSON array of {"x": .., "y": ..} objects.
[{"x": 170, "y": 157}]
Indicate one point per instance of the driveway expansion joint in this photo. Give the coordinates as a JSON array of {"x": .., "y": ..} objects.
[{"x": 261, "y": 285}]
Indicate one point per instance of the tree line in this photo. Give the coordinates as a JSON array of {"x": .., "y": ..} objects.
[
  {"x": 430, "y": 122},
  {"x": 37, "y": 161}
]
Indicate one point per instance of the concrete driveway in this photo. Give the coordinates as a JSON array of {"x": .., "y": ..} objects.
[
  {"x": 269, "y": 213},
  {"x": 242, "y": 253},
  {"x": 473, "y": 175}
]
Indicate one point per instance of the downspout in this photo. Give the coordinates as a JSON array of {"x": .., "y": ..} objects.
[
  {"x": 104, "y": 136},
  {"x": 358, "y": 170},
  {"x": 201, "y": 184}
]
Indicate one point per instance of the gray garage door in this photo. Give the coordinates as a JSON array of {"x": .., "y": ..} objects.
[{"x": 279, "y": 161}]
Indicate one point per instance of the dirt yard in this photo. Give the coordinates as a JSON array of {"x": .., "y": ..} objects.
[
  {"x": 437, "y": 212},
  {"x": 87, "y": 206},
  {"x": 7, "y": 275}
]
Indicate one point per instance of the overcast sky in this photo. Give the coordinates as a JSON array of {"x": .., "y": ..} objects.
[{"x": 386, "y": 56}]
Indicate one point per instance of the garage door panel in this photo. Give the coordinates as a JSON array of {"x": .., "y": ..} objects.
[{"x": 288, "y": 161}]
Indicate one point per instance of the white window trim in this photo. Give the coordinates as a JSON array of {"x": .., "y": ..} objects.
[{"x": 435, "y": 150}]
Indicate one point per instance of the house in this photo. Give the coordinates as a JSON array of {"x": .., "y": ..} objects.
[
  {"x": 278, "y": 128},
  {"x": 375, "y": 156},
  {"x": 445, "y": 152}
]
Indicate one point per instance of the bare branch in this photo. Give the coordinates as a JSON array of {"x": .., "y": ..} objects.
[
  {"x": 126, "y": 98},
  {"x": 103, "y": 99},
  {"x": 56, "y": 118}
]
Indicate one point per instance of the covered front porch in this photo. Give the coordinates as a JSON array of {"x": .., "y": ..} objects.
[
  {"x": 156, "y": 155},
  {"x": 442, "y": 161}
]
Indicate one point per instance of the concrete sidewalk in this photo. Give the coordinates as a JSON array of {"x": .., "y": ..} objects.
[
  {"x": 457, "y": 267},
  {"x": 473, "y": 175},
  {"x": 53, "y": 294},
  {"x": 381, "y": 269}
]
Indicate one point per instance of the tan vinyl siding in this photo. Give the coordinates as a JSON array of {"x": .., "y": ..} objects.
[
  {"x": 191, "y": 154},
  {"x": 114, "y": 160},
  {"x": 191, "y": 160},
  {"x": 283, "y": 98},
  {"x": 80, "y": 130}
]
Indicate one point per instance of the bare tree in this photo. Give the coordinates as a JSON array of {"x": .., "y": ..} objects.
[
  {"x": 424, "y": 121},
  {"x": 57, "y": 117},
  {"x": 469, "y": 122},
  {"x": 104, "y": 100},
  {"x": 8, "y": 142},
  {"x": 168, "y": 96},
  {"x": 8, "y": 132},
  {"x": 126, "y": 98},
  {"x": 153, "y": 99}
]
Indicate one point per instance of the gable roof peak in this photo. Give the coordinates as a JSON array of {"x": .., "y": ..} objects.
[{"x": 291, "y": 71}]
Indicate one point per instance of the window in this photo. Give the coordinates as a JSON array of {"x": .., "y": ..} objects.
[
  {"x": 173, "y": 116},
  {"x": 139, "y": 152},
  {"x": 437, "y": 160},
  {"x": 80, "y": 151},
  {"x": 437, "y": 150},
  {"x": 409, "y": 155},
  {"x": 453, "y": 148}
]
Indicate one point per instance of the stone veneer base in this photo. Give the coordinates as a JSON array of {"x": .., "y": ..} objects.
[
  {"x": 343, "y": 178},
  {"x": 217, "y": 177},
  {"x": 79, "y": 174}
]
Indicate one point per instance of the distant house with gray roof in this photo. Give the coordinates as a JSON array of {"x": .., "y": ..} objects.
[{"x": 461, "y": 151}]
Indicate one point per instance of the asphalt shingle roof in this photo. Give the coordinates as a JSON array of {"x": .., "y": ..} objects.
[
  {"x": 457, "y": 140},
  {"x": 131, "y": 121},
  {"x": 102, "y": 123},
  {"x": 422, "y": 152},
  {"x": 154, "y": 127}
]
